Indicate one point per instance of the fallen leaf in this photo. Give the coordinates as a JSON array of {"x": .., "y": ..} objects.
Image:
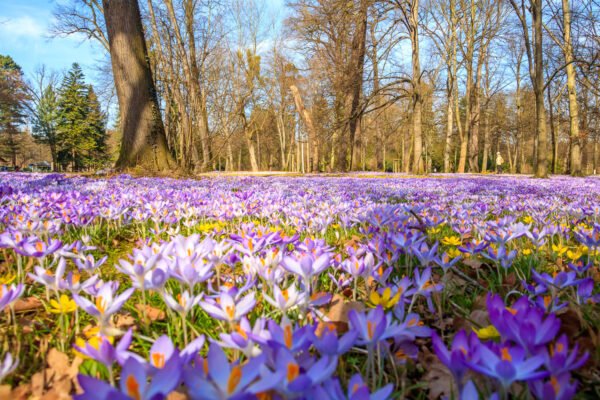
[
  {"x": 471, "y": 262},
  {"x": 27, "y": 304},
  {"x": 338, "y": 314},
  {"x": 58, "y": 380},
  {"x": 5, "y": 392},
  {"x": 509, "y": 280},
  {"x": 176, "y": 395},
  {"x": 124, "y": 321},
  {"x": 153, "y": 314},
  {"x": 438, "y": 378}
]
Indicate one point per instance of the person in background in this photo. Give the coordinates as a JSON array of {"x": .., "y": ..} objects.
[{"x": 499, "y": 161}]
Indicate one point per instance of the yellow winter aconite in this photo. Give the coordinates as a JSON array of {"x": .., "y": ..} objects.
[
  {"x": 559, "y": 249},
  {"x": 385, "y": 300},
  {"x": 574, "y": 255},
  {"x": 487, "y": 333},
  {"x": 67, "y": 305},
  {"x": 7, "y": 280},
  {"x": 451, "y": 241},
  {"x": 528, "y": 220},
  {"x": 454, "y": 252},
  {"x": 94, "y": 340}
]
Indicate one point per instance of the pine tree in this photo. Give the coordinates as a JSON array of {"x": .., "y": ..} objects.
[
  {"x": 76, "y": 142},
  {"x": 13, "y": 103},
  {"x": 45, "y": 122},
  {"x": 96, "y": 120}
]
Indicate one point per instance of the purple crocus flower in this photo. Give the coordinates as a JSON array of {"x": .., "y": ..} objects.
[
  {"x": 215, "y": 378},
  {"x": 105, "y": 303},
  {"x": 244, "y": 337},
  {"x": 522, "y": 323},
  {"x": 11, "y": 239},
  {"x": 291, "y": 378},
  {"x": 330, "y": 344},
  {"x": 89, "y": 263},
  {"x": 463, "y": 349},
  {"x": 8, "y": 366},
  {"x": 227, "y": 309},
  {"x": 372, "y": 327},
  {"x": 9, "y": 294},
  {"x": 37, "y": 248},
  {"x": 469, "y": 392},
  {"x": 134, "y": 383},
  {"x": 331, "y": 389},
  {"x": 560, "y": 360},
  {"x": 106, "y": 353},
  {"x": 295, "y": 339},
  {"x": 284, "y": 300},
  {"x": 558, "y": 387},
  {"x": 507, "y": 364},
  {"x": 306, "y": 265},
  {"x": 585, "y": 292},
  {"x": 500, "y": 256},
  {"x": 558, "y": 280},
  {"x": 52, "y": 281},
  {"x": 184, "y": 303},
  {"x": 424, "y": 286},
  {"x": 445, "y": 262}
]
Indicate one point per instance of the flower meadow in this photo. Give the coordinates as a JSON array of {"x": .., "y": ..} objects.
[{"x": 322, "y": 287}]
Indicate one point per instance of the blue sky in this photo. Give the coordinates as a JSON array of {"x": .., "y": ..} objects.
[{"x": 24, "y": 28}]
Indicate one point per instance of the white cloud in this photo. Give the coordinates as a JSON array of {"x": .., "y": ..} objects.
[{"x": 22, "y": 27}]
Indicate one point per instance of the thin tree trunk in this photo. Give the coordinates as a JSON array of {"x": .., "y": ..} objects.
[{"x": 573, "y": 108}]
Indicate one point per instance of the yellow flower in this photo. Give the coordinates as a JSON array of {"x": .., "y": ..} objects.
[
  {"x": 454, "y": 252},
  {"x": 66, "y": 305},
  {"x": 526, "y": 251},
  {"x": 559, "y": 249},
  {"x": 574, "y": 255},
  {"x": 528, "y": 220},
  {"x": 7, "y": 280},
  {"x": 433, "y": 231},
  {"x": 487, "y": 333},
  {"x": 385, "y": 300},
  {"x": 451, "y": 241},
  {"x": 94, "y": 340}
]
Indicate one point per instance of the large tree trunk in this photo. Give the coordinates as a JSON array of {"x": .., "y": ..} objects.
[
  {"x": 144, "y": 143},
  {"x": 573, "y": 110},
  {"x": 357, "y": 63}
]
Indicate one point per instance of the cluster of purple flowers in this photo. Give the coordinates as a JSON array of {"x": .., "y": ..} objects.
[
  {"x": 526, "y": 350},
  {"x": 249, "y": 252}
]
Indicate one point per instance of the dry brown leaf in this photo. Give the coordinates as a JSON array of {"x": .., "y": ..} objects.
[
  {"x": 153, "y": 314},
  {"x": 176, "y": 395},
  {"x": 124, "y": 321},
  {"x": 5, "y": 392},
  {"x": 509, "y": 280},
  {"x": 338, "y": 313},
  {"x": 438, "y": 378},
  {"x": 27, "y": 304},
  {"x": 58, "y": 380},
  {"x": 471, "y": 262}
]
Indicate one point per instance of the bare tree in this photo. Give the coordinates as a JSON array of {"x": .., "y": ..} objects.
[{"x": 144, "y": 143}]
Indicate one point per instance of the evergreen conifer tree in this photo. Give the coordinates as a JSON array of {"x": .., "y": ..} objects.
[
  {"x": 76, "y": 138},
  {"x": 13, "y": 103},
  {"x": 45, "y": 121}
]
